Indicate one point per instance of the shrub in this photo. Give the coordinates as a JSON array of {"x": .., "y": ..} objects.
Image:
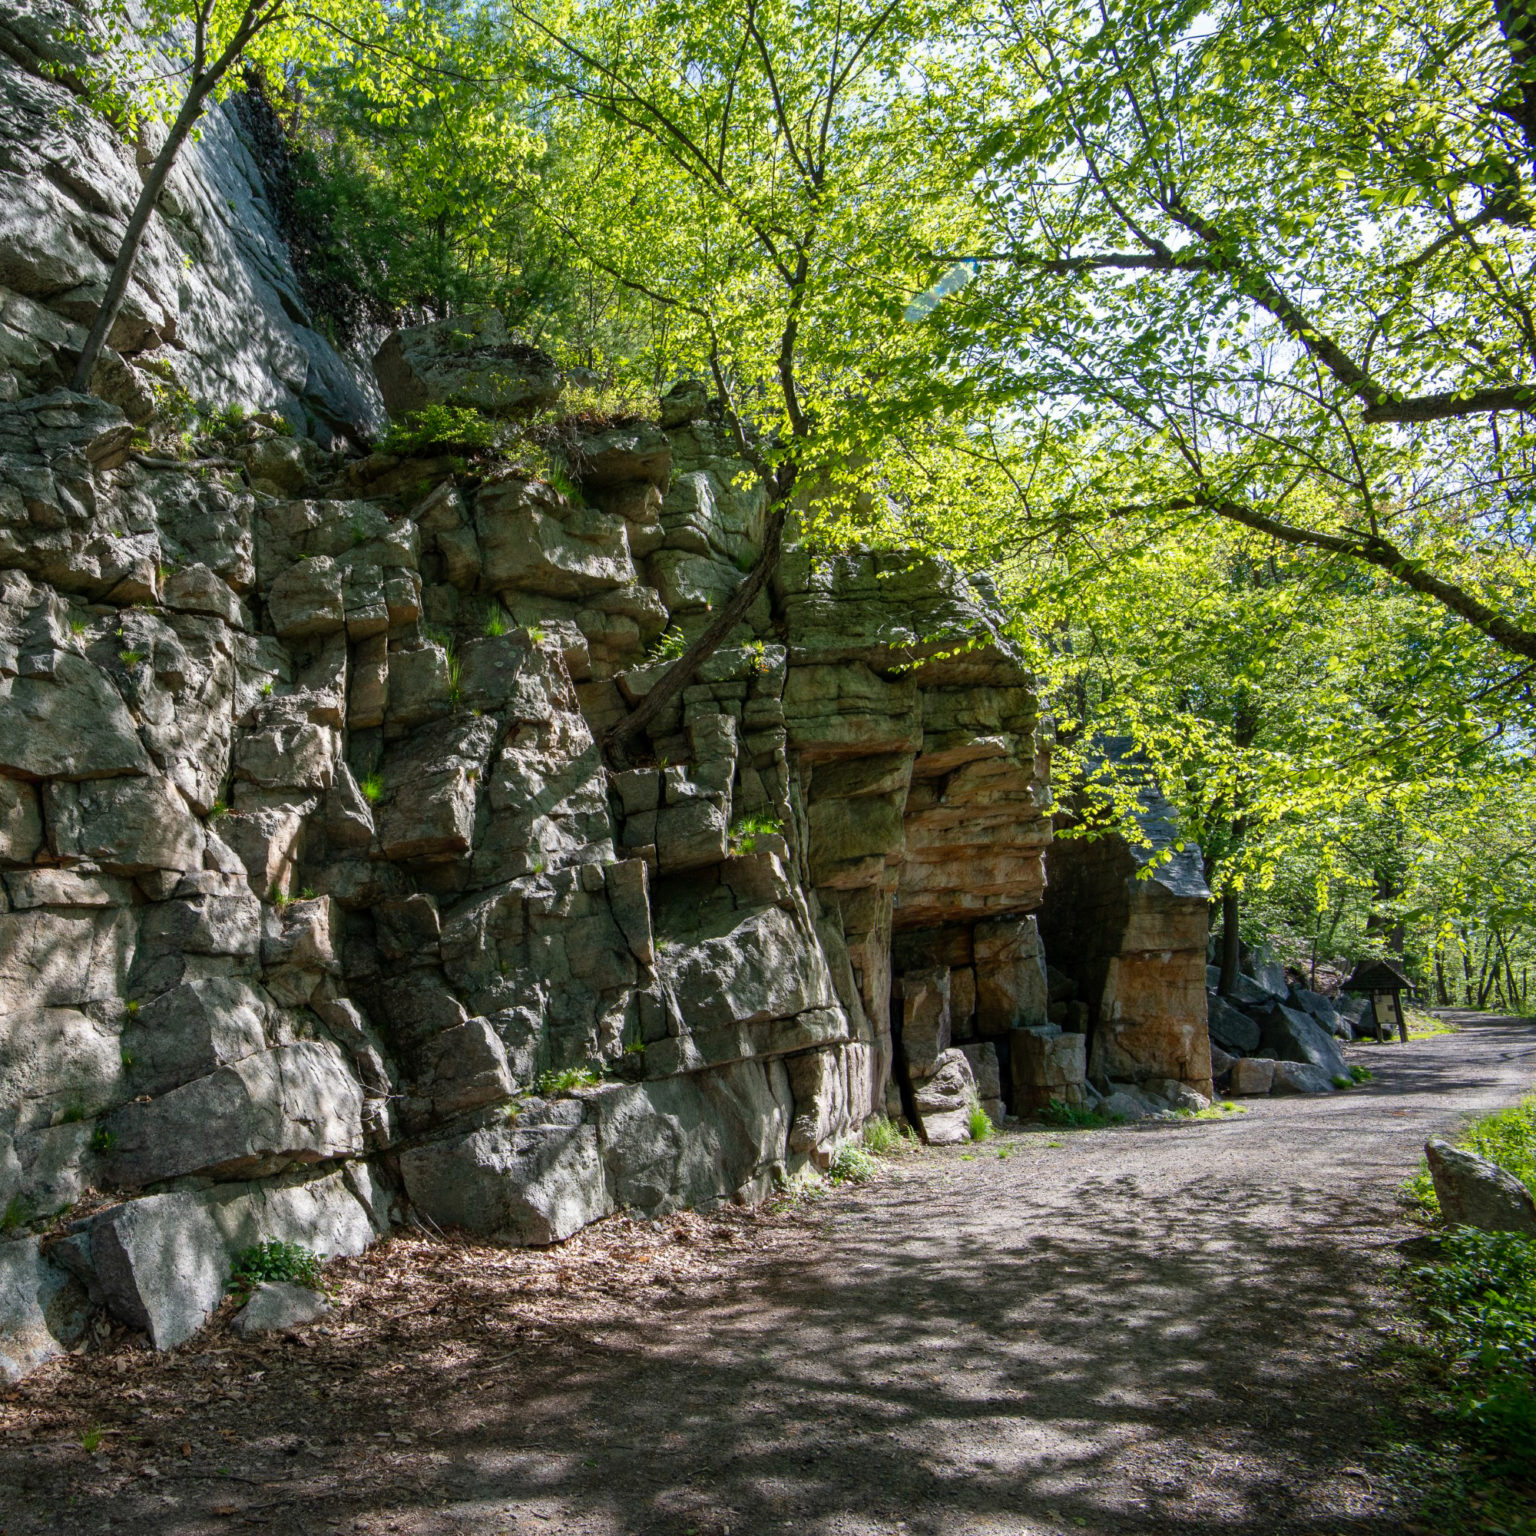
[
  {"x": 851, "y": 1164},
  {"x": 438, "y": 428},
  {"x": 276, "y": 1261}
]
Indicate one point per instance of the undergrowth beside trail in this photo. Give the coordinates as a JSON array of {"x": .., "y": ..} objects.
[{"x": 1476, "y": 1304}]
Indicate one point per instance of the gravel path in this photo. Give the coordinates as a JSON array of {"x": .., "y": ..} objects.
[{"x": 1172, "y": 1328}]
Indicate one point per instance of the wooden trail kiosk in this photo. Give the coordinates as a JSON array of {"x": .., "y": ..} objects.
[{"x": 1385, "y": 981}]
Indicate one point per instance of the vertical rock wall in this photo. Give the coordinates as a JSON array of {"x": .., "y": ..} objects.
[
  {"x": 214, "y": 306},
  {"x": 320, "y": 902},
  {"x": 1128, "y": 923}
]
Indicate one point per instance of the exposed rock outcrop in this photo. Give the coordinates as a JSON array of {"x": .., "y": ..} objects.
[
  {"x": 1127, "y": 922},
  {"x": 313, "y": 867},
  {"x": 214, "y": 307}
]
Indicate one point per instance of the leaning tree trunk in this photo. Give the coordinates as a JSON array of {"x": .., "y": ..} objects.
[
  {"x": 204, "y": 82},
  {"x": 1231, "y": 901},
  {"x": 677, "y": 677}
]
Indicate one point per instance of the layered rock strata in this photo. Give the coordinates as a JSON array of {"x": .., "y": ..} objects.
[
  {"x": 322, "y": 909},
  {"x": 1126, "y": 924}
]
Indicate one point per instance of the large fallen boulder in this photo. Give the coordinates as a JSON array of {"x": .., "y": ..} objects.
[
  {"x": 1230, "y": 1028},
  {"x": 1474, "y": 1191},
  {"x": 944, "y": 1101},
  {"x": 1298, "y": 1037}
]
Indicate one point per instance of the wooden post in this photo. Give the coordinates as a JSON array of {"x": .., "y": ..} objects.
[{"x": 1402, "y": 1022}]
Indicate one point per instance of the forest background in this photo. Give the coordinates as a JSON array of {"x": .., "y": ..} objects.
[{"x": 1226, "y": 388}]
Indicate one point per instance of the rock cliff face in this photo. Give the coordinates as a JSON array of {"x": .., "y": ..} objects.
[
  {"x": 1128, "y": 926},
  {"x": 214, "y": 307},
  {"x": 321, "y": 906}
]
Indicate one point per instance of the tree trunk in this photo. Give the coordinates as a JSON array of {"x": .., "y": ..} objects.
[
  {"x": 681, "y": 672},
  {"x": 133, "y": 237},
  {"x": 203, "y": 83},
  {"x": 1231, "y": 901}
]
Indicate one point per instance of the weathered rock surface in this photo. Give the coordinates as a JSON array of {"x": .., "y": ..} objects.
[
  {"x": 275, "y": 1306},
  {"x": 213, "y": 294},
  {"x": 1474, "y": 1191},
  {"x": 313, "y": 875},
  {"x": 1134, "y": 944}
]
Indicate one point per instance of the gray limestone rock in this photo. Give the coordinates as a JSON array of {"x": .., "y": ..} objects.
[
  {"x": 469, "y": 361},
  {"x": 192, "y": 1030},
  {"x": 695, "y": 1140},
  {"x": 44, "y": 1310},
  {"x": 943, "y": 1102},
  {"x": 70, "y": 725},
  {"x": 431, "y": 784},
  {"x": 296, "y": 1103},
  {"x": 1300, "y": 1077},
  {"x": 1298, "y": 1037},
  {"x": 125, "y": 826},
  {"x": 277, "y": 1306},
  {"x": 925, "y": 1025},
  {"x": 162, "y": 1263},
  {"x": 1231, "y": 1029},
  {"x": 1474, "y": 1191},
  {"x": 532, "y": 1182},
  {"x": 533, "y": 540}
]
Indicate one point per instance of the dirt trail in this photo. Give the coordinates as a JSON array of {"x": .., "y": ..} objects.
[{"x": 1171, "y": 1328}]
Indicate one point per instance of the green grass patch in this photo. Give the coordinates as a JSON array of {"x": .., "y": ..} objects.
[
  {"x": 1072, "y": 1117},
  {"x": 978, "y": 1122},
  {"x": 852, "y": 1164}
]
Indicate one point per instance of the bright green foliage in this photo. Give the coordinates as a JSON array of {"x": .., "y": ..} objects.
[
  {"x": 276, "y": 1261},
  {"x": 881, "y": 1137},
  {"x": 668, "y": 645},
  {"x": 746, "y": 830},
  {"x": 372, "y": 786},
  {"x": 1316, "y": 354},
  {"x": 1481, "y": 1303},
  {"x": 852, "y": 1164},
  {"x": 567, "y": 1080},
  {"x": 979, "y": 1122},
  {"x": 438, "y": 429}
]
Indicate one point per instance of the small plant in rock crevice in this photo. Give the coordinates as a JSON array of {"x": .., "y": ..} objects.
[
  {"x": 746, "y": 830},
  {"x": 495, "y": 624},
  {"x": 567, "y": 1080},
  {"x": 978, "y": 1122},
  {"x": 372, "y": 787},
  {"x": 276, "y": 1261},
  {"x": 668, "y": 645},
  {"x": 102, "y": 1140}
]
